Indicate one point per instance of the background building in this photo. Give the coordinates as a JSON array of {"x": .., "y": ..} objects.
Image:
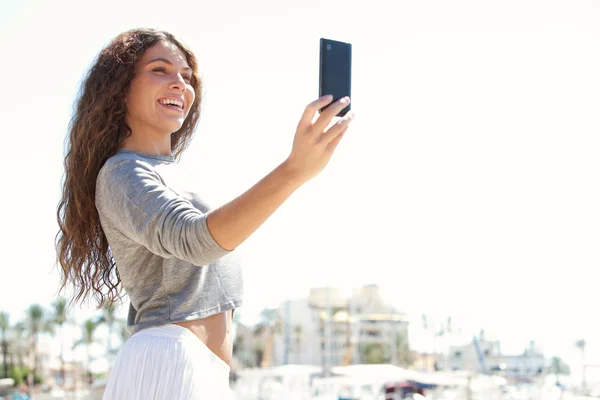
[
  {"x": 331, "y": 328},
  {"x": 516, "y": 367}
]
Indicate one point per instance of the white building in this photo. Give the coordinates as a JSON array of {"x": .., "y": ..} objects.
[
  {"x": 525, "y": 366},
  {"x": 329, "y": 328}
]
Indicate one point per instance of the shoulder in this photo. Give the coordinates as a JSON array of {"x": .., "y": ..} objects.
[
  {"x": 126, "y": 178},
  {"x": 123, "y": 167}
]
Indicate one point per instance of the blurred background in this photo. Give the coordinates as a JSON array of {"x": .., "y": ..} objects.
[{"x": 448, "y": 250}]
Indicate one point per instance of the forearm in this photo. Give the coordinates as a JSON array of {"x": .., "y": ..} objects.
[{"x": 232, "y": 223}]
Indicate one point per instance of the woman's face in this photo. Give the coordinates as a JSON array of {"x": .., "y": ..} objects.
[{"x": 160, "y": 94}]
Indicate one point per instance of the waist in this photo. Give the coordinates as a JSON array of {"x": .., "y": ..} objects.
[{"x": 216, "y": 332}]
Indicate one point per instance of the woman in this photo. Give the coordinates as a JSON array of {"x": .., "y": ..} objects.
[{"x": 127, "y": 221}]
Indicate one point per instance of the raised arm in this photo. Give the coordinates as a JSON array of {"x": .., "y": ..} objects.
[{"x": 314, "y": 144}]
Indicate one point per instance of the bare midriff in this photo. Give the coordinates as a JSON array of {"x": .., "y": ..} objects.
[{"x": 215, "y": 332}]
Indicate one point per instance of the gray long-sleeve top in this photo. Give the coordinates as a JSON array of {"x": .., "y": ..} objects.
[{"x": 170, "y": 266}]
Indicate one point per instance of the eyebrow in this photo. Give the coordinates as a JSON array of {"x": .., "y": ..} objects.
[{"x": 165, "y": 61}]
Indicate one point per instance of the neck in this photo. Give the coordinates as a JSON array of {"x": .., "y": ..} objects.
[{"x": 148, "y": 143}]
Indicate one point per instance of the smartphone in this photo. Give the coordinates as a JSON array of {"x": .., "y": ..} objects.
[{"x": 335, "y": 71}]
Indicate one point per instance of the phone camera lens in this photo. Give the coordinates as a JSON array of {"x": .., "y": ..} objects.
[{"x": 328, "y": 47}]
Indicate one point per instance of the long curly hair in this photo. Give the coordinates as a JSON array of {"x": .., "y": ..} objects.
[{"x": 96, "y": 131}]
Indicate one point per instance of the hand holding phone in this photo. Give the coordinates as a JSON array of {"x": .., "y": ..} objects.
[
  {"x": 314, "y": 142},
  {"x": 335, "y": 71}
]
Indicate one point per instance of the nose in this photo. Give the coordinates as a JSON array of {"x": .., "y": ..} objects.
[{"x": 178, "y": 83}]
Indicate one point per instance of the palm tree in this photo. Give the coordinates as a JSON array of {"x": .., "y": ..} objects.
[
  {"x": 36, "y": 323},
  {"x": 59, "y": 318},
  {"x": 4, "y": 325},
  {"x": 109, "y": 317},
  {"x": 269, "y": 319},
  {"x": 580, "y": 344},
  {"x": 559, "y": 367},
  {"x": 19, "y": 347},
  {"x": 268, "y": 316},
  {"x": 403, "y": 349},
  {"x": 89, "y": 327},
  {"x": 376, "y": 354}
]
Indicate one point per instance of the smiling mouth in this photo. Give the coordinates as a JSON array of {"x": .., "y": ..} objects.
[{"x": 172, "y": 104}]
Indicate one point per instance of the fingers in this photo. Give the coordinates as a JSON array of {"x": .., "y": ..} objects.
[
  {"x": 312, "y": 108},
  {"x": 336, "y": 140},
  {"x": 327, "y": 115},
  {"x": 333, "y": 132}
]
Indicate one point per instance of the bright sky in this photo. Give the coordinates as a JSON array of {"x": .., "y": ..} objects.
[{"x": 467, "y": 185}]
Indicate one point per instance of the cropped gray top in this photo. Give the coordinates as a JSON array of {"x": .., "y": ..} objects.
[{"x": 169, "y": 264}]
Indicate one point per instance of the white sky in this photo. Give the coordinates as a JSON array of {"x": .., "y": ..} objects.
[{"x": 467, "y": 185}]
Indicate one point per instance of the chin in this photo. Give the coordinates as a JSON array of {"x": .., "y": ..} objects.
[{"x": 172, "y": 128}]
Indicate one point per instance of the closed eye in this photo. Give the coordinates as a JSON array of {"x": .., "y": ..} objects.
[{"x": 160, "y": 69}]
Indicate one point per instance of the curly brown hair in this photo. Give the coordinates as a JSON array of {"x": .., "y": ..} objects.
[{"x": 97, "y": 130}]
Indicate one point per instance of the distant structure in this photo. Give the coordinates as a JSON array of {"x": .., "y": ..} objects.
[
  {"x": 524, "y": 367},
  {"x": 331, "y": 328}
]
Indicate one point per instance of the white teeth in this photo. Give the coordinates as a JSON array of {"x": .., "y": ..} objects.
[{"x": 172, "y": 102}]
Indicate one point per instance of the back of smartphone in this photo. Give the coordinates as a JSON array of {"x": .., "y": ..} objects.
[{"x": 335, "y": 71}]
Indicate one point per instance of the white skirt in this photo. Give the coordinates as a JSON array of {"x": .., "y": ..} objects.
[{"x": 167, "y": 362}]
